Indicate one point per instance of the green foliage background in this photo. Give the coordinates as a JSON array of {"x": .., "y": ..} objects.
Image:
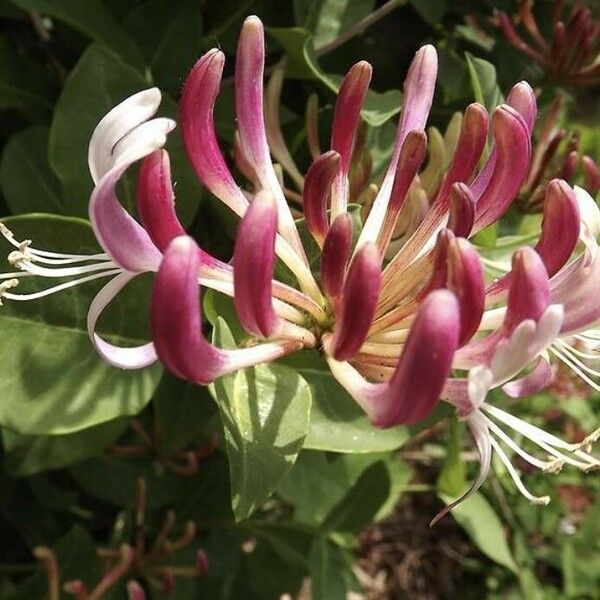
[{"x": 298, "y": 472}]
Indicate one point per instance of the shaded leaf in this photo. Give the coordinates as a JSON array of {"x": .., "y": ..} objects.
[
  {"x": 26, "y": 180},
  {"x": 484, "y": 82},
  {"x": 362, "y": 500},
  {"x": 23, "y": 86},
  {"x": 301, "y": 63},
  {"x": 27, "y": 454},
  {"x": 170, "y": 37},
  {"x": 91, "y": 18},
  {"x": 330, "y": 571}
]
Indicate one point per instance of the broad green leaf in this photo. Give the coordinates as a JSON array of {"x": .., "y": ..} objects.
[
  {"x": 99, "y": 81},
  {"x": 477, "y": 517},
  {"x": 330, "y": 571},
  {"x": 23, "y": 86},
  {"x": 93, "y": 19},
  {"x": 362, "y": 501},
  {"x": 265, "y": 412},
  {"x": 169, "y": 35},
  {"x": 53, "y": 382},
  {"x": 337, "y": 423},
  {"x": 184, "y": 412},
  {"x": 28, "y": 454},
  {"x": 26, "y": 180},
  {"x": 113, "y": 480},
  {"x": 301, "y": 63},
  {"x": 484, "y": 82},
  {"x": 320, "y": 481},
  {"x": 277, "y": 564},
  {"x": 333, "y": 17}
]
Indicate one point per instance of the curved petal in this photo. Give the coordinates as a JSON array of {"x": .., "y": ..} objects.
[
  {"x": 358, "y": 303},
  {"x": 513, "y": 154},
  {"x": 156, "y": 201},
  {"x": 253, "y": 262},
  {"x": 317, "y": 187},
  {"x": 123, "y": 358},
  {"x": 412, "y": 155},
  {"x": 196, "y": 106},
  {"x": 534, "y": 382},
  {"x": 529, "y": 293},
  {"x": 335, "y": 255},
  {"x": 124, "y": 240},
  {"x": 117, "y": 123},
  {"x": 249, "y": 72},
  {"x": 419, "y": 87},
  {"x": 462, "y": 210},
  {"x": 560, "y": 226},
  {"x": 346, "y": 119}
]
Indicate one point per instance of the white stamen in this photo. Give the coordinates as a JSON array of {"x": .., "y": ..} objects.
[
  {"x": 539, "y": 500},
  {"x": 27, "y": 265},
  {"x": 544, "y": 465},
  {"x": 548, "y": 442},
  {"x": 56, "y": 288}
]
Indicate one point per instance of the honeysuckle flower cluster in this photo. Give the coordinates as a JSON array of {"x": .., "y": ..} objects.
[
  {"x": 399, "y": 332},
  {"x": 570, "y": 54}
]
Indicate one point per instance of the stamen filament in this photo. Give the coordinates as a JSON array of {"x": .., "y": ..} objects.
[{"x": 59, "y": 287}]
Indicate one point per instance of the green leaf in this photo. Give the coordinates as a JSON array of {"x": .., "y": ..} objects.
[
  {"x": 362, "y": 501},
  {"x": 320, "y": 481},
  {"x": 477, "y": 517},
  {"x": 484, "y": 82},
  {"x": 336, "y": 16},
  {"x": 26, "y": 180},
  {"x": 99, "y": 81},
  {"x": 337, "y": 423},
  {"x": 27, "y": 454},
  {"x": 113, "y": 480},
  {"x": 302, "y": 64},
  {"x": 169, "y": 35},
  {"x": 265, "y": 412},
  {"x": 23, "y": 86},
  {"x": 330, "y": 571},
  {"x": 184, "y": 413},
  {"x": 53, "y": 381},
  {"x": 91, "y": 18}
]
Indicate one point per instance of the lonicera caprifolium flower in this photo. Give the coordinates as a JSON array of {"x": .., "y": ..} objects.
[{"x": 401, "y": 320}]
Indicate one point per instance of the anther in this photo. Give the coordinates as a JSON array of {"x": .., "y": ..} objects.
[
  {"x": 586, "y": 443},
  {"x": 6, "y": 285},
  {"x": 17, "y": 257},
  {"x": 554, "y": 466}
]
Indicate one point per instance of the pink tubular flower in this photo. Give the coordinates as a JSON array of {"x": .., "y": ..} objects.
[{"x": 405, "y": 311}]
